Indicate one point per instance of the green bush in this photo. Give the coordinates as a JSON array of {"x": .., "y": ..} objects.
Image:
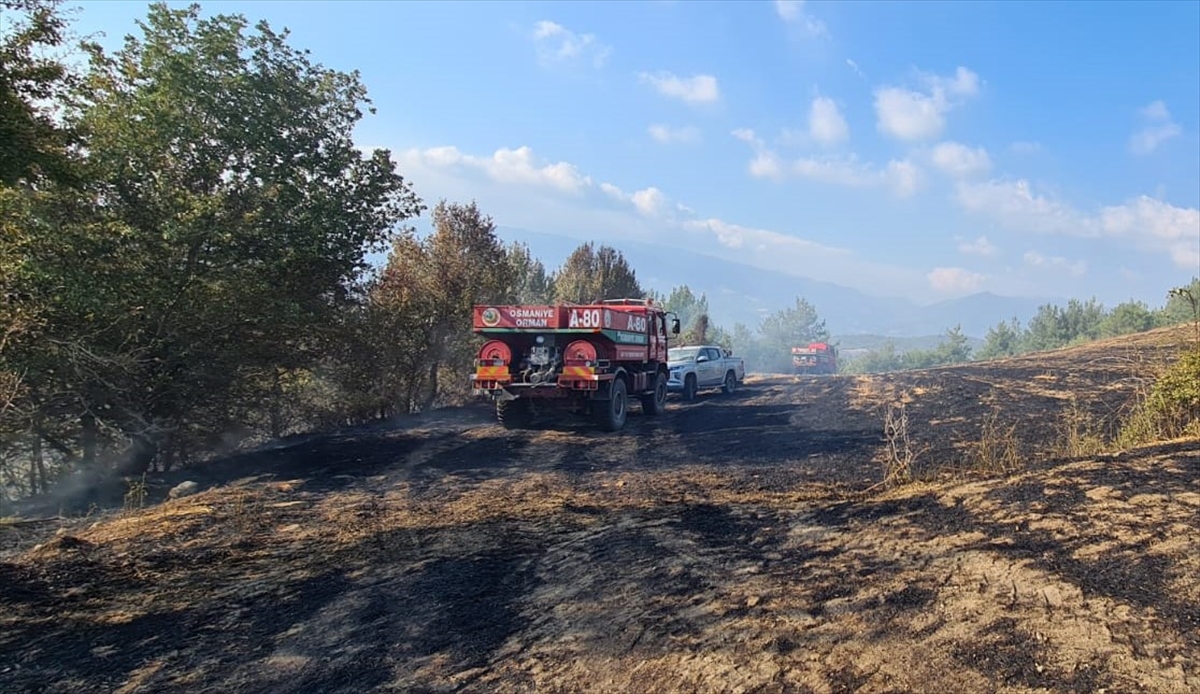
[{"x": 1171, "y": 408}]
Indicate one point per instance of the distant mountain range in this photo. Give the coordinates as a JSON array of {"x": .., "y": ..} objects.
[{"x": 739, "y": 293}]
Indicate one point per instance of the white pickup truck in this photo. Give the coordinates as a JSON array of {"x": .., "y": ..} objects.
[{"x": 703, "y": 366}]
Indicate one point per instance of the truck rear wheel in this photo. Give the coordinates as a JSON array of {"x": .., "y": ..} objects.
[
  {"x": 730, "y": 384},
  {"x": 514, "y": 414},
  {"x": 611, "y": 413},
  {"x": 656, "y": 402}
]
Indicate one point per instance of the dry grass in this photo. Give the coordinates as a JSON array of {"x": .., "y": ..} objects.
[
  {"x": 729, "y": 545},
  {"x": 998, "y": 449},
  {"x": 901, "y": 452}
]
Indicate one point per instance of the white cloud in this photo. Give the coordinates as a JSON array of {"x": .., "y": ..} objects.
[
  {"x": 736, "y": 236},
  {"x": 825, "y": 122},
  {"x": 955, "y": 280},
  {"x": 1056, "y": 264},
  {"x": 687, "y": 134},
  {"x": 792, "y": 12},
  {"x": 698, "y": 89},
  {"x": 1016, "y": 203},
  {"x": 1150, "y": 224},
  {"x": 963, "y": 83},
  {"x": 613, "y": 191},
  {"x": 903, "y": 177},
  {"x": 980, "y": 246},
  {"x": 505, "y": 165},
  {"x": 1158, "y": 224},
  {"x": 586, "y": 210},
  {"x": 908, "y": 114},
  {"x": 649, "y": 201},
  {"x": 557, "y": 44},
  {"x": 765, "y": 163},
  {"x": 854, "y": 66},
  {"x": 959, "y": 160},
  {"x": 1157, "y": 129}
]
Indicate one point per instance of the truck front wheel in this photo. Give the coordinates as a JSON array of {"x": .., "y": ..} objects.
[
  {"x": 689, "y": 387},
  {"x": 611, "y": 413}
]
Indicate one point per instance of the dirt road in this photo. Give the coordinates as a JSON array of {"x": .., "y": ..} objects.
[{"x": 730, "y": 545}]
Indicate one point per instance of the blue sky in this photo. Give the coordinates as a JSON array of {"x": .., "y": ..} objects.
[{"x": 923, "y": 150}]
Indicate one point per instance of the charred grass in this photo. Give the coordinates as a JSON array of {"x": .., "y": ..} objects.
[{"x": 737, "y": 543}]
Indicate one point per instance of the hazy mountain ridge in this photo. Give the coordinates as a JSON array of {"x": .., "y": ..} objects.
[{"x": 741, "y": 293}]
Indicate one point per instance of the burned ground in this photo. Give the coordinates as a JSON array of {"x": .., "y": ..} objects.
[{"x": 738, "y": 543}]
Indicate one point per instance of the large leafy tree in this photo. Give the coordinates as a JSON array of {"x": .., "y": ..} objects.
[
  {"x": 226, "y": 218},
  {"x": 531, "y": 283},
  {"x": 1125, "y": 318},
  {"x": 795, "y": 325},
  {"x": 35, "y": 159},
  {"x": 591, "y": 274},
  {"x": 420, "y": 310},
  {"x": 33, "y": 145}
]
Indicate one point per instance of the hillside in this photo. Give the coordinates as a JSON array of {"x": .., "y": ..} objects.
[
  {"x": 738, "y": 543},
  {"x": 740, "y": 293}
]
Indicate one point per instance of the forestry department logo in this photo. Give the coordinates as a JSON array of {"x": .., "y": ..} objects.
[{"x": 490, "y": 317}]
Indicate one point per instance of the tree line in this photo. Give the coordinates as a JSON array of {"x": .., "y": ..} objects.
[
  {"x": 185, "y": 227},
  {"x": 1052, "y": 327}
]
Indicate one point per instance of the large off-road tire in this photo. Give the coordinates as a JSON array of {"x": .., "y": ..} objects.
[
  {"x": 656, "y": 401},
  {"x": 689, "y": 387},
  {"x": 611, "y": 413},
  {"x": 730, "y": 383},
  {"x": 514, "y": 414}
]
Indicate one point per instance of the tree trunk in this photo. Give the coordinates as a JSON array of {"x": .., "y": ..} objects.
[
  {"x": 433, "y": 387},
  {"x": 40, "y": 463},
  {"x": 140, "y": 455},
  {"x": 276, "y": 404},
  {"x": 33, "y": 489},
  {"x": 88, "y": 440}
]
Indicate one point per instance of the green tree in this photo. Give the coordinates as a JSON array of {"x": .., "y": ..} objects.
[
  {"x": 224, "y": 223},
  {"x": 35, "y": 158},
  {"x": 1183, "y": 305},
  {"x": 686, "y": 305},
  {"x": 1082, "y": 320},
  {"x": 467, "y": 265},
  {"x": 1002, "y": 340},
  {"x": 590, "y": 274},
  {"x": 955, "y": 348},
  {"x": 881, "y": 360},
  {"x": 1126, "y": 318},
  {"x": 531, "y": 284},
  {"x": 798, "y": 324},
  {"x": 1046, "y": 330},
  {"x": 33, "y": 81}
]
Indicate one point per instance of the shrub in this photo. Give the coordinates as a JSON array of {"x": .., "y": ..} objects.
[{"x": 1171, "y": 408}]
